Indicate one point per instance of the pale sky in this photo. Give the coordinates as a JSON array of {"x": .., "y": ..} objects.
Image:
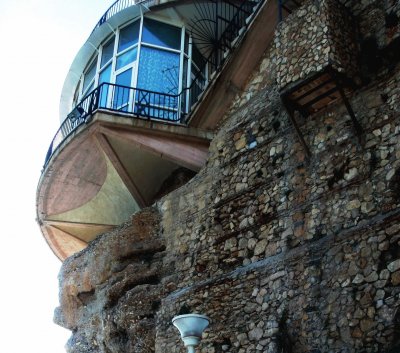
[{"x": 39, "y": 39}]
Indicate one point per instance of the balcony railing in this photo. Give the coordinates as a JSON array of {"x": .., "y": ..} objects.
[
  {"x": 119, "y": 6},
  {"x": 122, "y": 99},
  {"x": 136, "y": 102}
]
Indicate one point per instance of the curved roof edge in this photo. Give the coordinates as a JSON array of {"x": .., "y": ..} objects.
[{"x": 104, "y": 28}]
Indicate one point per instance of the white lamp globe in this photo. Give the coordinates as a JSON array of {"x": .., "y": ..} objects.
[{"x": 191, "y": 327}]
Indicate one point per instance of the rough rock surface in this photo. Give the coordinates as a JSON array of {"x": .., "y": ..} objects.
[
  {"x": 111, "y": 291},
  {"x": 283, "y": 253}
]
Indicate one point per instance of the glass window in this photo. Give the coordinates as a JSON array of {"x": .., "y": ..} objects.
[
  {"x": 125, "y": 78},
  {"x": 89, "y": 75},
  {"x": 104, "y": 96},
  {"x": 90, "y": 88},
  {"x": 107, "y": 53},
  {"x": 76, "y": 94},
  {"x": 128, "y": 36},
  {"x": 161, "y": 34},
  {"x": 126, "y": 58},
  {"x": 158, "y": 73},
  {"x": 105, "y": 76},
  {"x": 158, "y": 70},
  {"x": 121, "y": 94}
]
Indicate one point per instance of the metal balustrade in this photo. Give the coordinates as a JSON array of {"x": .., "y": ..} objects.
[
  {"x": 119, "y": 6},
  {"x": 121, "y": 99}
]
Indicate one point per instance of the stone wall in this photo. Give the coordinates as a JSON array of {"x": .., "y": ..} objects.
[
  {"x": 317, "y": 35},
  {"x": 279, "y": 251},
  {"x": 379, "y": 36},
  {"x": 284, "y": 254}
]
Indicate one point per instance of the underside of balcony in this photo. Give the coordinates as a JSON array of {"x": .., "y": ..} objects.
[{"x": 109, "y": 169}]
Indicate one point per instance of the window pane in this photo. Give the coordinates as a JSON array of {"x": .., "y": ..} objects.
[
  {"x": 89, "y": 75},
  {"x": 104, "y": 76},
  {"x": 161, "y": 34},
  {"x": 158, "y": 71},
  {"x": 107, "y": 52},
  {"x": 76, "y": 94},
  {"x": 125, "y": 78},
  {"x": 121, "y": 94},
  {"x": 128, "y": 36},
  {"x": 126, "y": 58},
  {"x": 90, "y": 88}
]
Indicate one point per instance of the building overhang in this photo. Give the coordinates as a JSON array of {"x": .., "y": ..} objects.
[
  {"x": 112, "y": 163},
  {"x": 106, "y": 171}
]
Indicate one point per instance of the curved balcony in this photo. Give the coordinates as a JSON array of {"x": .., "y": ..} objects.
[
  {"x": 230, "y": 20},
  {"x": 130, "y": 102},
  {"x": 122, "y": 146}
]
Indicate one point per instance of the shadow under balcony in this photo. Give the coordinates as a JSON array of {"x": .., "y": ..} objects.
[{"x": 103, "y": 166}]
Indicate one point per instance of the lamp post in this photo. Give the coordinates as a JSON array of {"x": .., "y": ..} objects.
[{"x": 191, "y": 327}]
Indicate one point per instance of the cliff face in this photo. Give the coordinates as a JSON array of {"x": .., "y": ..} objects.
[
  {"x": 284, "y": 253},
  {"x": 111, "y": 291}
]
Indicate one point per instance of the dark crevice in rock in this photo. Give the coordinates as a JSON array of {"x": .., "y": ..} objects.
[
  {"x": 87, "y": 297},
  {"x": 283, "y": 339},
  {"x": 388, "y": 256},
  {"x": 119, "y": 339},
  {"x": 391, "y": 20},
  {"x": 222, "y": 345},
  {"x": 394, "y": 186},
  {"x": 155, "y": 305},
  {"x": 138, "y": 256},
  {"x": 276, "y": 125},
  {"x": 396, "y": 333},
  {"x": 142, "y": 254},
  {"x": 373, "y": 162},
  {"x": 178, "y": 178},
  {"x": 338, "y": 174},
  {"x": 374, "y": 59},
  {"x": 384, "y": 97},
  {"x": 119, "y": 289},
  {"x": 184, "y": 310}
]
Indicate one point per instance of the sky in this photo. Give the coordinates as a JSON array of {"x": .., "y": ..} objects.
[{"x": 39, "y": 40}]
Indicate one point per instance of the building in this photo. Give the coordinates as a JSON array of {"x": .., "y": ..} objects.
[
  {"x": 136, "y": 63},
  {"x": 234, "y": 158}
]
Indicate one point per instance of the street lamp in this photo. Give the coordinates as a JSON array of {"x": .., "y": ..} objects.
[{"x": 191, "y": 327}]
